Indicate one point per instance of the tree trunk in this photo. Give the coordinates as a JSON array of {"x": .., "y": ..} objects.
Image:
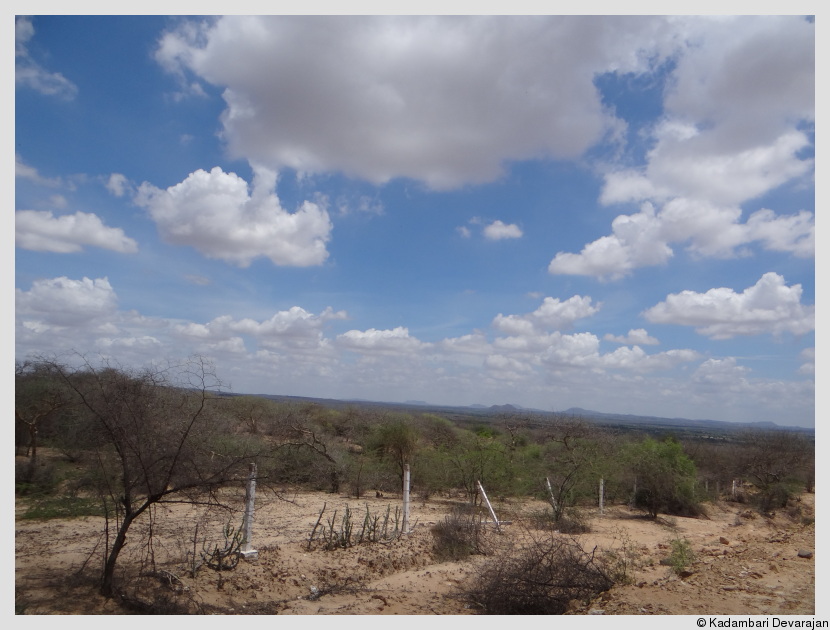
[{"x": 117, "y": 546}]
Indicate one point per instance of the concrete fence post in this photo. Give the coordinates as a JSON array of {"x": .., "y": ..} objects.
[
  {"x": 490, "y": 507},
  {"x": 248, "y": 552},
  {"x": 552, "y": 497},
  {"x": 405, "y": 526}
]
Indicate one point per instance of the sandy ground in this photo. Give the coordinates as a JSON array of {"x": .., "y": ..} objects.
[{"x": 745, "y": 563}]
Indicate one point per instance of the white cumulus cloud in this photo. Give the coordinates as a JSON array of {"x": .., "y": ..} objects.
[
  {"x": 394, "y": 341},
  {"x": 770, "y": 306},
  {"x": 498, "y": 230},
  {"x": 737, "y": 113},
  {"x": 644, "y": 238},
  {"x": 216, "y": 214},
  {"x": 43, "y": 232},
  {"x": 65, "y": 302},
  {"x": 551, "y": 315},
  {"x": 443, "y": 100}
]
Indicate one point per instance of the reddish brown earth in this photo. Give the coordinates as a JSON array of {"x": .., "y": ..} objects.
[{"x": 745, "y": 563}]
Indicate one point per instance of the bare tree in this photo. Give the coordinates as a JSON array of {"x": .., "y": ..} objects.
[
  {"x": 39, "y": 393},
  {"x": 774, "y": 461},
  {"x": 572, "y": 448},
  {"x": 159, "y": 437}
]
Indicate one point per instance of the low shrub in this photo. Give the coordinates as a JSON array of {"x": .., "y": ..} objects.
[
  {"x": 681, "y": 555},
  {"x": 40, "y": 480},
  {"x": 460, "y": 535},
  {"x": 540, "y": 579},
  {"x": 574, "y": 521},
  {"x": 622, "y": 560}
]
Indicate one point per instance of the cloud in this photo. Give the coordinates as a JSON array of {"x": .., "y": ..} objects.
[
  {"x": 65, "y": 302},
  {"x": 472, "y": 344},
  {"x": 794, "y": 233},
  {"x": 733, "y": 108},
  {"x": 738, "y": 107},
  {"x": 395, "y": 341},
  {"x": 291, "y": 348},
  {"x": 494, "y": 231},
  {"x": 28, "y": 73},
  {"x": 117, "y": 184},
  {"x": 43, "y": 232},
  {"x": 635, "y": 337},
  {"x": 552, "y": 314},
  {"x": 636, "y": 242},
  {"x": 767, "y": 307},
  {"x": 29, "y": 172},
  {"x": 215, "y": 214},
  {"x": 808, "y": 355},
  {"x": 506, "y": 368},
  {"x": 362, "y": 205},
  {"x": 643, "y": 239},
  {"x": 722, "y": 374},
  {"x": 443, "y": 100},
  {"x": 295, "y": 327},
  {"x": 635, "y": 359},
  {"x": 498, "y": 230}
]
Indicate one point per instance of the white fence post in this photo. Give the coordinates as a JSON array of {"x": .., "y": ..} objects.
[
  {"x": 552, "y": 498},
  {"x": 487, "y": 501},
  {"x": 248, "y": 519},
  {"x": 405, "y": 527}
]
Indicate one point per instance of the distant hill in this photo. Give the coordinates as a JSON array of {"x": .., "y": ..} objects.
[
  {"x": 655, "y": 423},
  {"x": 615, "y": 418}
]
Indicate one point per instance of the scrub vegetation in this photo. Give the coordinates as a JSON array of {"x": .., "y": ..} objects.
[{"x": 130, "y": 441}]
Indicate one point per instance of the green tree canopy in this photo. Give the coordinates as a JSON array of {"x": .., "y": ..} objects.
[{"x": 665, "y": 477}]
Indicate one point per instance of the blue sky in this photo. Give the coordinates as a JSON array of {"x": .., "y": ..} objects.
[{"x": 615, "y": 213}]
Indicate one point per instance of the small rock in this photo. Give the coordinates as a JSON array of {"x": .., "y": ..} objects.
[
  {"x": 596, "y": 611},
  {"x": 805, "y": 553},
  {"x": 723, "y": 541}
]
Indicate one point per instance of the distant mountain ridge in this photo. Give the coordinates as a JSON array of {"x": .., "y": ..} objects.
[
  {"x": 579, "y": 412},
  {"x": 679, "y": 422}
]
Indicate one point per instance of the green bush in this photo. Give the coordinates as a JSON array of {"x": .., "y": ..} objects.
[
  {"x": 665, "y": 478},
  {"x": 681, "y": 555}
]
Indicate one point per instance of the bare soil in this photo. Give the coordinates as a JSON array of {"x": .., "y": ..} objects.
[{"x": 745, "y": 563}]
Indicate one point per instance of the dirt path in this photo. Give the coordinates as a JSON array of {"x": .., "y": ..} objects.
[{"x": 745, "y": 563}]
